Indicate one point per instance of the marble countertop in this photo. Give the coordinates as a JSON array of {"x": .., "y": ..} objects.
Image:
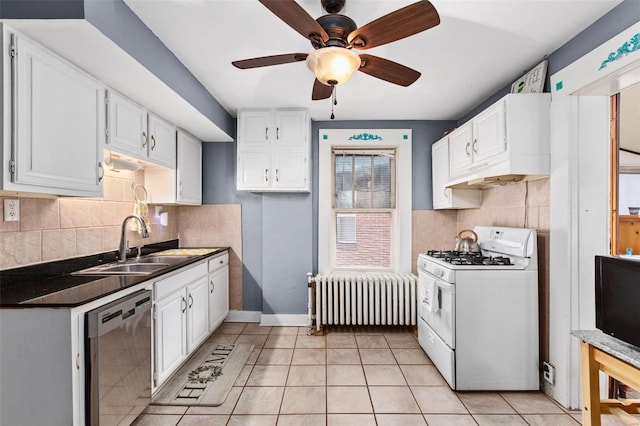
[{"x": 609, "y": 344}]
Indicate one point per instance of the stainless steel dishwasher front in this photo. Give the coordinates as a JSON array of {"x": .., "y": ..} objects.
[{"x": 118, "y": 360}]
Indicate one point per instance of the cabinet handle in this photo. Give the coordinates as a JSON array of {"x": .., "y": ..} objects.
[
  {"x": 266, "y": 175},
  {"x": 180, "y": 191},
  {"x": 475, "y": 144},
  {"x": 277, "y": 177},
  {"x": 144, "y": 139},
  {"x": 153, "y": 142},
  {"x": 184, "y": 304},
  {"x": 446, "y": 193},
  {"x": 266, "y": 133},
  {"x": 213, "y": 286},
  {"x": 466, "y": 149},
  {"x": 278, "y": 133},
  {"x": 100, "y": 172},
  {"x": 190, "y": 301}
]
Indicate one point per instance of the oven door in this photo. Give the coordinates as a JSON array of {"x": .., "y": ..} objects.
[{"x": 436, "y": 306}]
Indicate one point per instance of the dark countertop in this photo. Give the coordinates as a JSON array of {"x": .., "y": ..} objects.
[{"x": 51, "y": 285}]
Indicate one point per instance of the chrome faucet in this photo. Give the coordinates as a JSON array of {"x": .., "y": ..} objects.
[{"x": 123, "y": 244}]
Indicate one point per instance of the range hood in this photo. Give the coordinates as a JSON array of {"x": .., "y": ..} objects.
[{"x": 473, "y": 182}]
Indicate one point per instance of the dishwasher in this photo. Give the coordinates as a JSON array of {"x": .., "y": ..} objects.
[{"x": 118, "y": 360}]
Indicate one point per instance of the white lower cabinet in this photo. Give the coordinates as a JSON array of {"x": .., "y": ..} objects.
[
  {"x": 218, "y": 290},
  {"x": 181, "y": 315},
  {"x": 170, "y": 335}
]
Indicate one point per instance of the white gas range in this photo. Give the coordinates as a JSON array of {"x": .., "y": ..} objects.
[{"x": 478, "y": 314}]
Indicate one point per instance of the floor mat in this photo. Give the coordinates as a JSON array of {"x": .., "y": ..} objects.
[{"x": 206, "y": 378}]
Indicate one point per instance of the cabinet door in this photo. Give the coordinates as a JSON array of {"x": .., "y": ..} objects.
[
  {"x": 189, "y": 171},
  {"x": 460, "y": 157},
  {"x": 162, "y": 142},
  {"x": 197, "y": 313},
  {"x": 291, "y": 128},
  {"x": 127, "y": 124},
  {"x": 218, "y": 297},
  {"x": 290, "y": 171},
  {"x": 170, "y": 334},
  {"x": 440, "y": 173},
  {"x": 59, "y": 124},
  {"x": 489, "y": 133},
  {"x": 255, "y": 128},
  {"x": 254, "y": 170}
]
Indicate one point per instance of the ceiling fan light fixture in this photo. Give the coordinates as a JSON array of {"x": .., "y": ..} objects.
[{"x": 333, "y": 65}]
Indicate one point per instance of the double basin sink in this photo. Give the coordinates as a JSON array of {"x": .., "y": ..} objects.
[{"x": 143, "y": 266}]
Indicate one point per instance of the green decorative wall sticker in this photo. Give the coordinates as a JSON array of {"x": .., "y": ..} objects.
[
  {"x": 325, "y": 137},
  {"x": 627, "y": 47},
  {"x": 365, "y": 137}
]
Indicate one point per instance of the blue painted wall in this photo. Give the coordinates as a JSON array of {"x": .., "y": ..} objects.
[{"x": 617, "y": 20}]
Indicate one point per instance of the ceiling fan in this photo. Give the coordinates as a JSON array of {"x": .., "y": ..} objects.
[{"x": 335, "y": 35}]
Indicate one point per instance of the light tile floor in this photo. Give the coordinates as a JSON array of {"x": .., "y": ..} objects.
[{"x": 360, "y": 376}]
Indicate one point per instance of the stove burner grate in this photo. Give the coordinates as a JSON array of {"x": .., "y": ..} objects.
[{"x": 459, "y": 258}]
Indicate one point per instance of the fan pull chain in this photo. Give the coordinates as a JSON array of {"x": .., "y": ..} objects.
[{"x": 334, "y": 101}]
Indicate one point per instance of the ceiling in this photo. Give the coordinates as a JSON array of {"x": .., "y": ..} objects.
[{"x": 479, "y": 47}]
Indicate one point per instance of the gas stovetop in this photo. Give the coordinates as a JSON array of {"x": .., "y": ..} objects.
[{"x": 477, "y": 259}]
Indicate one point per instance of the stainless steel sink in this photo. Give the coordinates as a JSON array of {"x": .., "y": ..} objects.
[
  {"x": 146, "y": 265},
  {"x": 123, "y": 269}
]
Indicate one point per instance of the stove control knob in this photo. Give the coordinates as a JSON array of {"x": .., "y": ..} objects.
[{"x": 439, "y": 272}]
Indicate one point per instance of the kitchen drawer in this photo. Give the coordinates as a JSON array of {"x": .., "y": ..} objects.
[
  {"x": 218, "y": 262},
  {"x": 175, "y": 282}
]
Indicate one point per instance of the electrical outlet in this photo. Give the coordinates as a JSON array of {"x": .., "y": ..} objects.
[
  {"x": 11, "y": 210},
  {"x": 548, "y": 372}
]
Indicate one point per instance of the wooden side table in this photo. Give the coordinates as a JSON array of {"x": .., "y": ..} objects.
[{"x": 620, "y": 360}]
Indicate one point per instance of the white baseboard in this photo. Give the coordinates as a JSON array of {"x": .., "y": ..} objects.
[
  {"x": 243, "y": 316},
  {"x": 297, "y": 320}
]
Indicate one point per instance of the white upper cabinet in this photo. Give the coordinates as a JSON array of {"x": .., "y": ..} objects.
[
  {"x": 443, "y": 197},
  {"x": 53, "y": 140},
  {"x": 135, "y": 132},
  {"x": 162, "y": 142},
  {"x": 189, "y": 170},
  {"x": 127, "y": 124},
  {"x": 274, "y": 150},
  {"x": 511, "y": 137},
  {"x": 182, "y": 185}
]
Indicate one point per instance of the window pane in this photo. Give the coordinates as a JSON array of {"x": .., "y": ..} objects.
[
  {"x": 372, "y": 247},
  {"x": 364, "y": 181}
]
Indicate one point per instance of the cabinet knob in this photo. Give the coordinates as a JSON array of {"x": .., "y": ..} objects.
[
  {"x": 153, "y": 142},
  {"x": 144, "y": 139}
]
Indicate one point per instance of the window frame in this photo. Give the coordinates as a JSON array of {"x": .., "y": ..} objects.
[{"x": 398, "y": 139}]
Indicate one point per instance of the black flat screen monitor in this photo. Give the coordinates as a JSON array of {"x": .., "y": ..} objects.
[{"x": 618, "y": 298}]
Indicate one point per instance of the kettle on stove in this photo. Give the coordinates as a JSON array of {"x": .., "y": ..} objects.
[{"x": 467, "y": 245}]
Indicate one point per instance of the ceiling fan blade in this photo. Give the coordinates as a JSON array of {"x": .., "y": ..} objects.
[
  {"x": 396, "y": 25},
  {"x": 387, "y": 70},
  {"x": 296, "y": 17},
  {"x": 266, "y": 61},
  {"x": 320, "y": 91}
]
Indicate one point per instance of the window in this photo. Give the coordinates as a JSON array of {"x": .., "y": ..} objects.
[
  {"x": 389, "y": 149},
  {"x": 364, "y": 206}
]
